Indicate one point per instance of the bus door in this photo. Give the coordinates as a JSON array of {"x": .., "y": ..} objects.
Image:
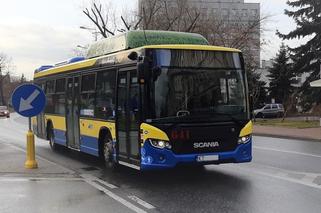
[
  {"x": 127, "y": 120},
  {"x": 72, "y": 112}
]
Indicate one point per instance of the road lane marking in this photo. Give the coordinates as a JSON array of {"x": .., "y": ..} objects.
[
  {"x": 289, "y": 152},
  {"x": 288, "y": 179},
  {"x": 141, "y": 202},
  {"x": 99, "y": 181},
  {"x": 27, "y": 179},
  {"x": 307, "y": 180},
  {"x": 115, "y": 197}
]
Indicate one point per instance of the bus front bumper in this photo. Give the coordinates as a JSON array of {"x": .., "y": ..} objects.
[{"x": 154, "y": 158}]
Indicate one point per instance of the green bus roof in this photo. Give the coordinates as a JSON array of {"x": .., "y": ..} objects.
[{"x": 139, "y": 38}]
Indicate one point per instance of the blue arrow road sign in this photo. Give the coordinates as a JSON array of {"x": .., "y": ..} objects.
[{"x": 28, "y": 100}]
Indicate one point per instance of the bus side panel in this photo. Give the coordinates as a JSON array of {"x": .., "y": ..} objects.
[
  {"x": 89, "y": 134},
  {"x": 59, "y": 128}
]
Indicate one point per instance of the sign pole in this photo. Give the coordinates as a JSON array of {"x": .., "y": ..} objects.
[
  {"x": 29, "y": 100},
  {"x": 31, "y": 162}
]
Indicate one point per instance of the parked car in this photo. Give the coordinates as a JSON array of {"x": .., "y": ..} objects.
[
  {"x": 269, "y": 110},
  {"x": 4, "y": 111}
]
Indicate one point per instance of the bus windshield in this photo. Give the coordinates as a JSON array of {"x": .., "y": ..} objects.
[{"x": 201, "y": 89}]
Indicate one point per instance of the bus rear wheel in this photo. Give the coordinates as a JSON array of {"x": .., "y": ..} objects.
[
  {"x": 52, "y": 143},
  {"x": 108, "y": 153}
]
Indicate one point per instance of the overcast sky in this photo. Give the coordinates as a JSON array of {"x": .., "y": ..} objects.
[{"x": 39, "y": 32}]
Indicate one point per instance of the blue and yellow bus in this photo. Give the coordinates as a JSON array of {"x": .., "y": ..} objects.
[{"x": 149, "y": 100}]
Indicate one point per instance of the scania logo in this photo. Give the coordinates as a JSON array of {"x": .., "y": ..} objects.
[{"x": 206, "y": 144}]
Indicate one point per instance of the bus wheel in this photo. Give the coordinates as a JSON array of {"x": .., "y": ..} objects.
[
  {"x": 108, "y": 153},
  {"x": 52, "y": 143}
]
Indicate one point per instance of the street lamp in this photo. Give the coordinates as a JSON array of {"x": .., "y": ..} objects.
[
  {"x": 92, "y": 30},
  {"x": 82, "y": 47}
]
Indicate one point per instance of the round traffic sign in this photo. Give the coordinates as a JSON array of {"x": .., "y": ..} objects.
[{"x": 28, "y": 100}]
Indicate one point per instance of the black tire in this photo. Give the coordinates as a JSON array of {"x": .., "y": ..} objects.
[
  {"x": 51, "y": 137},
  {"x": 108, "y": 153},
  {"x": 260, "y": 115}
]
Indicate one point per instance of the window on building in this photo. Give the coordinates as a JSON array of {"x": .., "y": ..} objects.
[
  {"x": 254, "y": 13},
  {"x": 225, "y": 12},
  {"x": 215, "y": 11},
  {"x": 234, "y": 13},
  {"x": 244, "y": 12},
  {"x": 204, "y": 12}
]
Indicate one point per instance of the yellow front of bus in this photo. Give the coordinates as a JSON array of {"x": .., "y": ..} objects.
[{"x": 195, "y": 107}]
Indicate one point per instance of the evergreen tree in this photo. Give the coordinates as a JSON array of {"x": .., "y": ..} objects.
[
  {"x": 256, "y": 89},
  {"x": 281, "y": 76},
  {"x": 306, "y": 57}
]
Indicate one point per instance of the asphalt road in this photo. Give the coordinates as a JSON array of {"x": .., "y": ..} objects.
[{"x": 285, "y": 176}]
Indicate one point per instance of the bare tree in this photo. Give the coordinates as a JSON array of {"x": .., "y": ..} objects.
[
  {"x": 4, "y": 74},
  {"x": 180, "y": 15},
  {"x": 175, "y": 15},
  {"x": 103, "y": 18},
  {"x": 152, "y": 15}
]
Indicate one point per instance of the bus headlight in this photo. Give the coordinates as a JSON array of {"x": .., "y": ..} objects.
[
  {"x": 161, "y": 144},
  {"x": 244, "y": 139}
]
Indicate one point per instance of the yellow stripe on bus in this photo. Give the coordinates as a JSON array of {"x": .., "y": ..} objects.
[
  {"x": 91, "y": 127},
  {"x": 58, "y": 122},
  {"x": 192, "y": 47},
  {"x": 68, "y": 67}
]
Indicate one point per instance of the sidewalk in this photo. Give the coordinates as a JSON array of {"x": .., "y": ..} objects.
[
  {"x": 312, "y": 134},
  {"x": 50, "y": 188}
]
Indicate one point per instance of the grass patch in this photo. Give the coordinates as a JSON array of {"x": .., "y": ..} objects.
[{"x": 300, "y": 124}]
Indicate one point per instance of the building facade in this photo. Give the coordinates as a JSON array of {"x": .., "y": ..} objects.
[{"x": 237, "y": 18}]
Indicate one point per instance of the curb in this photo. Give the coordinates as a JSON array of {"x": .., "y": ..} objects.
[{"x": 288, "y": 137}]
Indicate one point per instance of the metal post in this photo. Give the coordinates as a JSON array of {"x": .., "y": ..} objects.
[
  {"x": 29, "y": 121},
  {"x": 31, "y": 162}
]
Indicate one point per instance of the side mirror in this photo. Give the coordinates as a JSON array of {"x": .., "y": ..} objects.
[{"x": 133, "y": 56}]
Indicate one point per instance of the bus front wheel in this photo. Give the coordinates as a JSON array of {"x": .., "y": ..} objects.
[{"x": 108, "y": 153}]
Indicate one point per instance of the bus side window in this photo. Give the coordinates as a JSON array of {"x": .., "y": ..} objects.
[
  {"x": 50, "y": 90},
  {"x": 87, "y": 101},
  {"x": 59, "y": 97},
  {"x": 105, "y": 94}
]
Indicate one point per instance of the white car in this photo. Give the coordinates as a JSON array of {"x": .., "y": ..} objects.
[{"x": 269, "y": 110}]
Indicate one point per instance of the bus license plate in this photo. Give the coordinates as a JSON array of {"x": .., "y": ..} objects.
[{"x": 204, "y": 158}]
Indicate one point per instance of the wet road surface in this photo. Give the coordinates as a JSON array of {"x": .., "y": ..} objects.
[{"x": 285, "y": 176}]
